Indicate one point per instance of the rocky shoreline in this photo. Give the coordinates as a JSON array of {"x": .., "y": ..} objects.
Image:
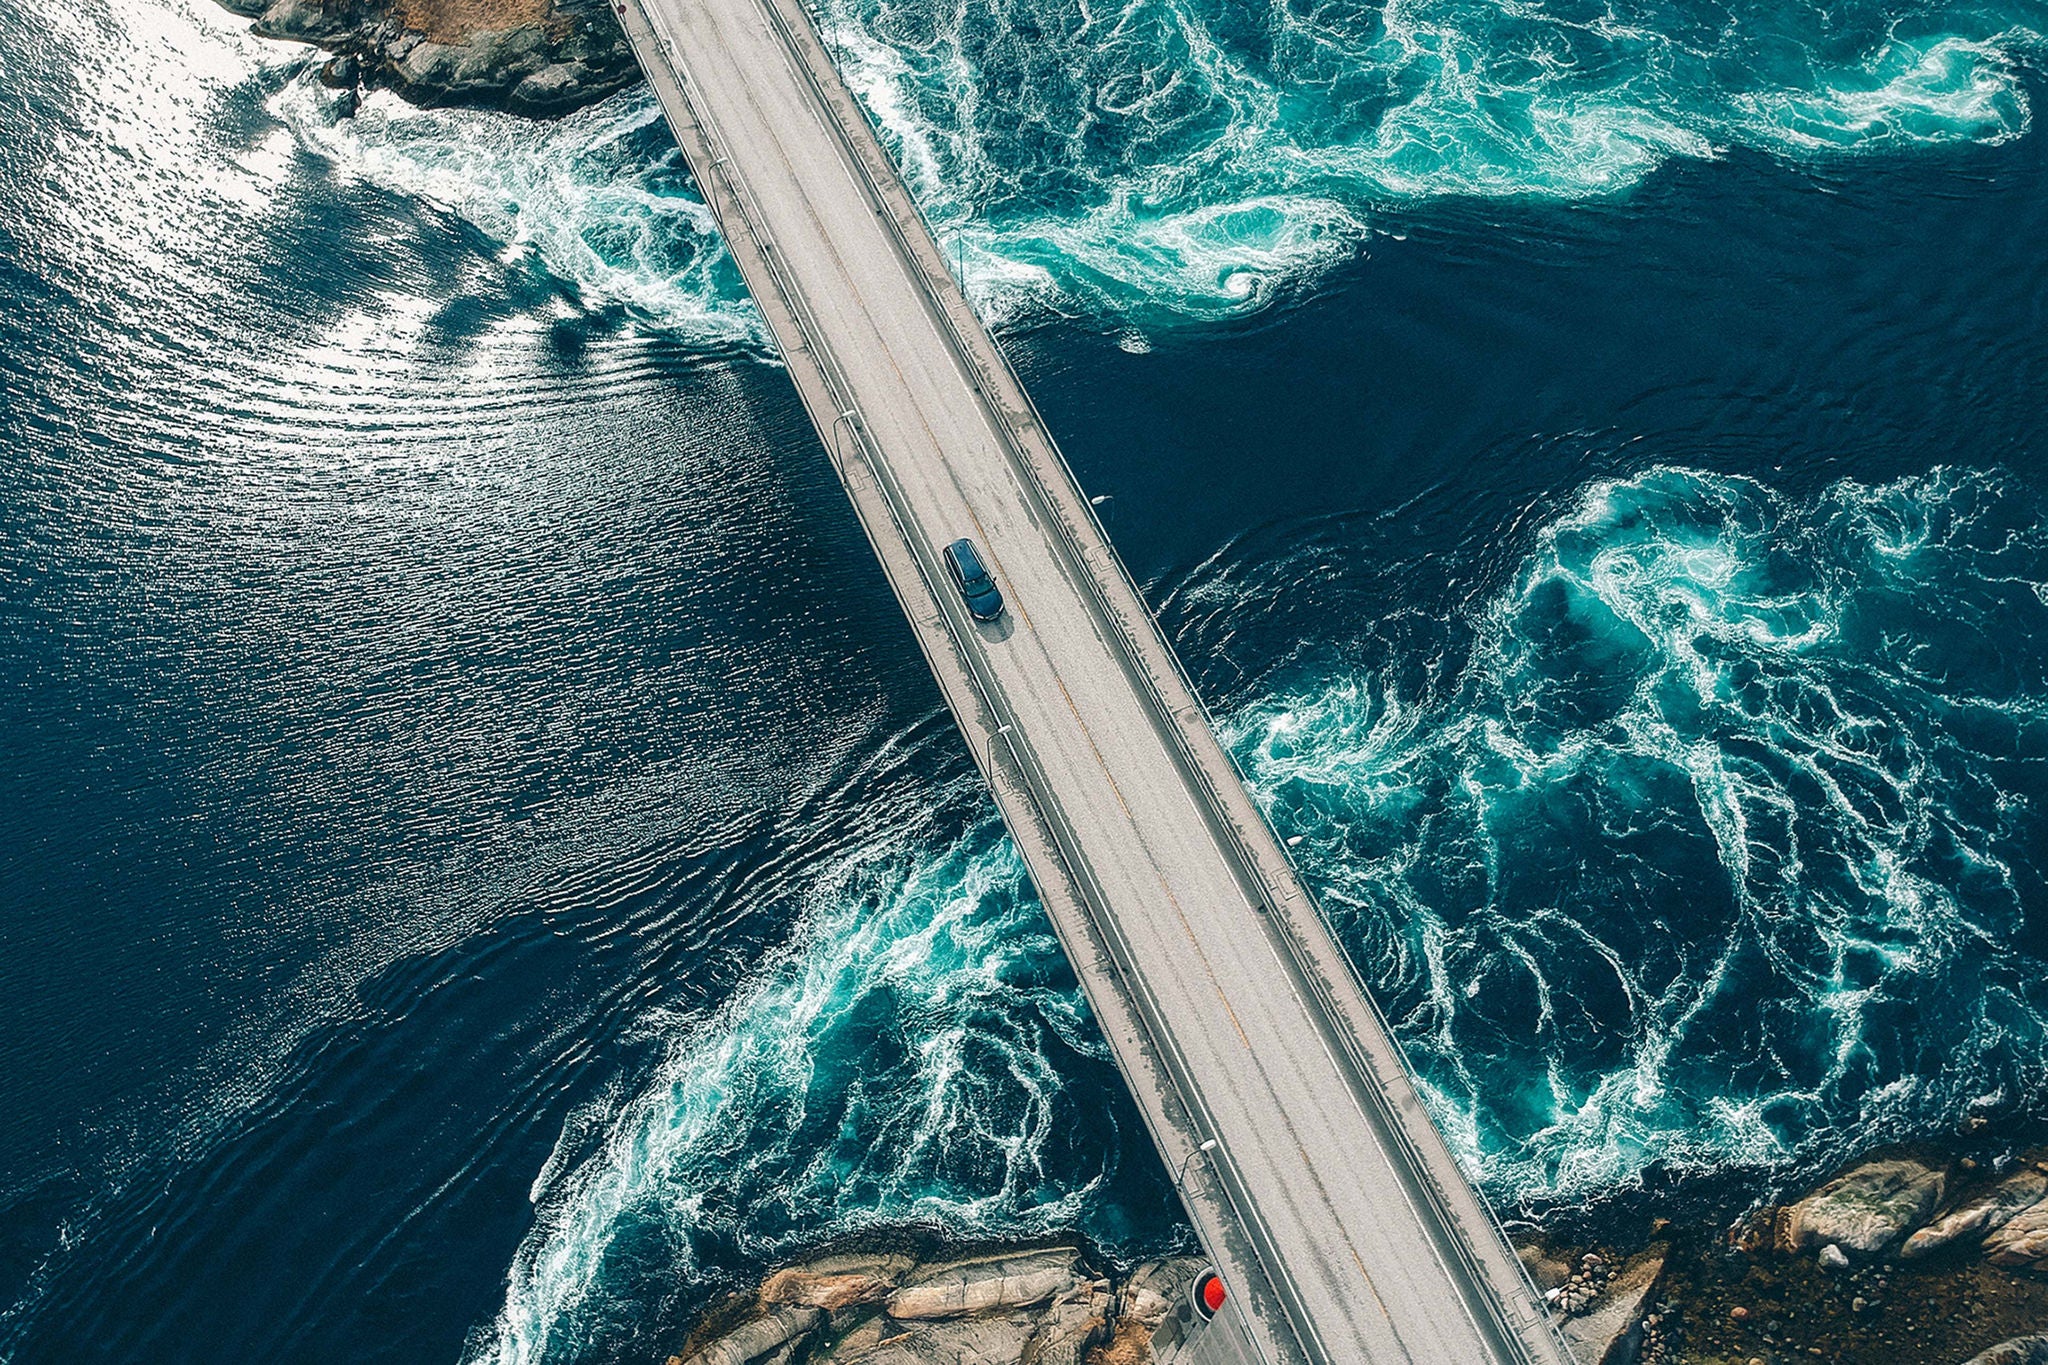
[
  {"x": 1911, "y": 1256},
  {"x": 1908, "y": 1257},
  {"x": 534, "y": 57},
  {"x": 1045, "y": 1304}
]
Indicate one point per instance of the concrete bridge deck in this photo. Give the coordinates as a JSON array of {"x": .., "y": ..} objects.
[{"x": 1339, "y": 1220}]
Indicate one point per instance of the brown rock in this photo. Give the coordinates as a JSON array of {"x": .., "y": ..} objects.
[
  {"x": 833, "y": 1293},
  {"x": 1546, "y": 1270}
]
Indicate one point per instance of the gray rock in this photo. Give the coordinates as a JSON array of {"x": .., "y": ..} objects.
[
  {"x": 1986, "y": 1213},
  {"x": 1075, "y": 1321},
  {"x": 551, "y": 87},
  {"x": 999, "y": 1340},
  {"x": 1868, "y": 1209},
  {"x": 573, "y": 55},
  {"x": 2019, "y": 1351},
  {"x": 1157, "y": 1288},
  {"x": 1833, "y": 1257},
  {"x": 984, "y": 1284},
  {"x": 2022, "y": 1241},
  {"x": 303, "y": 21},
  {"x": 761, "y": 1339}
]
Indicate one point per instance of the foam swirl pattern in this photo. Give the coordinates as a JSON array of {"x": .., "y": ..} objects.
[
  {"x": 1719, "y": 847},
  {"x": 1172, "y": 159}
]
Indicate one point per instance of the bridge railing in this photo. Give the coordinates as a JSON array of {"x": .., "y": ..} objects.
[{"x": 946, "y": 291}]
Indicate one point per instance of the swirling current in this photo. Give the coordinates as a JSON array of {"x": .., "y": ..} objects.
[{"x": 482, "y": 868}]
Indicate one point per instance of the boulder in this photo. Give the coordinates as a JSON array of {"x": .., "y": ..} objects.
[
  {"x": 1985, "y": 1214},
  {"x": 2022, "y": 1241},
  {"x": 1156, "y": 1289},
  {"x": 1548, "y": 1271},
  {"x": 559, "y": 86},
  {"x": 1868, "y": 1209},
  {"x": 995, "y": 1340},
  {"x": 762, "y": 1339},
  {"x": 983, "y": 1285},
  {"x": 1075, "y": 1322},
  {"x": 2018, "y": 1351},
  {"x": 833, "y": 1293},
  {"x": 303, "y": 21},
  {"x": 1605, "y": 1333}
]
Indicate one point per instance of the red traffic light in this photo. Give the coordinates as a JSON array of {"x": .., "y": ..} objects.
[{"x": 1208, "y": 1293}]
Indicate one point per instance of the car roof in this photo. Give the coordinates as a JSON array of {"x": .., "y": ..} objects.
[{"x": 963, "y": 554}]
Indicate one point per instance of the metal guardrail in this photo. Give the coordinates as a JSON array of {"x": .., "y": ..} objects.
[{"x": 1132, "y": 656}]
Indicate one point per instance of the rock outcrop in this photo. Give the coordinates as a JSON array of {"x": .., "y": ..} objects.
[
  {"x": 1975, "y": 1218},
  {"x": 2019, "y": 1351},
  {"x": 979, "y": 1286},
  {"x": 530, "y": 56},
  {"x": 1041, "y": 1306},
  {"x": 2022, "y": 1242},
  {"x": 1867, "y": 1210},
  {"x": 1606, "y": 1329}
]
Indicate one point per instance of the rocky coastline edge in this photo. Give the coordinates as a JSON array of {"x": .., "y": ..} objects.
[
  {"x": 541, "y": 58},
  {"x": 1908, "y": 1256}
]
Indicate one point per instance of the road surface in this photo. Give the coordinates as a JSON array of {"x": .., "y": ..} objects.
[{"x": 1335, "y": 1213}]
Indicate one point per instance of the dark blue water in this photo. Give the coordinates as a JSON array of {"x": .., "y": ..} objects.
[{"x": 482, "y": 867}]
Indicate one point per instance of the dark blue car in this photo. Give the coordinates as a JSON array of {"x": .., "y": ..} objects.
[{"x": 974, "y": 582}]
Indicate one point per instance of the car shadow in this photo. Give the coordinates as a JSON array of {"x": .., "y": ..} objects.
[{"x": 998, "y": 630}]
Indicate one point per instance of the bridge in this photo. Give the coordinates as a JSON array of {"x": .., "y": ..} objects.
[{"x": 1341, "y": 1225}]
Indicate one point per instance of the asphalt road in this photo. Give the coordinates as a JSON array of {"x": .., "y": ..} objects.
[{"x": 1336, "y": 1215}]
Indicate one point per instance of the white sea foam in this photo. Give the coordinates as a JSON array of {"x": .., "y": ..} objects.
[
  {"x": 1173, "y": 158},
  {"x": 1698, "y": 862},
  {"x": 894, "y": 1064},
  {"x": 1154, "y": 160},
  {"x": 600, "y": 197}
]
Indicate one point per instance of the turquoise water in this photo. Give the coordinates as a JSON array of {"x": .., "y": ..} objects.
[
  {"x": 1160, "y": 162},
  {"x": 1161, "y": 159},
  {"x": 1719, "y": 846}
]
